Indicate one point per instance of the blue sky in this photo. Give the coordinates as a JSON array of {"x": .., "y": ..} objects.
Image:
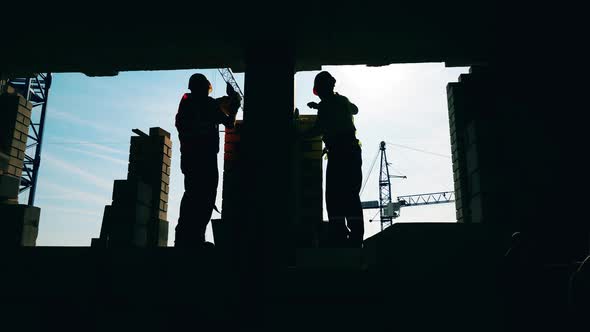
[{"x": 89, "y": 122}]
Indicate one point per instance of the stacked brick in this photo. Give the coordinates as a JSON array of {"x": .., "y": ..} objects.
[
  {"x": 457, "y": 124},
  {"x": 308, "y": 185},
  {"x": 15, "y": 119},
  {"x": 138, "y": 215},
  {"x": 232, "y": 201},
  {"x": 476, "y": 135},
  {"x": 307, "y": 175},
  {"x": 19, "y": 223}
]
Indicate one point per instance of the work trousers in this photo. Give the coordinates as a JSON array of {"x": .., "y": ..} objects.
[
  {"x": 201, "y": 177},
  {"x": 343, "y": 184}
]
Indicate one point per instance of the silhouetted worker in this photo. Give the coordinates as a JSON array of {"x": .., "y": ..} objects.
[
  {"x": 344, "y": 175},
  {"x": 197, "y": 121}
]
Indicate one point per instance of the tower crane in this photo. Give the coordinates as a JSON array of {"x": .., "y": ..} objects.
[
  {"x": 229, "y": 78},
  {"x": 388, "y": 209},
  {"x": 35, "y": 89}
]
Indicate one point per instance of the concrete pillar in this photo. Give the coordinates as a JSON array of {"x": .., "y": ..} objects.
[
  {"x": 308, "y": 174},
  {"x": 512, "y": 160},
  {"x": 267, "y": 139}
]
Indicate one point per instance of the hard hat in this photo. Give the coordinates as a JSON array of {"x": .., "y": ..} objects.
[
  {"x": 199, "y": 82},
  {"x": 323, "y": 79}
]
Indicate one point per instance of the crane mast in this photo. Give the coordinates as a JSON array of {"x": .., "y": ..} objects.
[
  {"x": 35, "y": 89},
  {"x": 229, "y": 78},
  {"x": 384, "y": 189},
  {"x": 389, "y": 209}
]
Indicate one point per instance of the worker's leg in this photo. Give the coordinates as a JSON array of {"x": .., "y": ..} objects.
[
  {"x": 354, "y": 214},
  {"x": 336, "y": 202},
  {"x": 207, "y": 195},
  {"x": 200, "y": 189},
  {"x": 185, "y": 230}
]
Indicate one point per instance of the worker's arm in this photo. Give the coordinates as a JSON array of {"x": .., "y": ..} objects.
[
  {"x": 227, "y": 109},
  {"x": 353, "y": 108},
  {"x": 232, "y": 105},
  {"x": 316, "y": 130},
  {"x": 225, "y": 113}
]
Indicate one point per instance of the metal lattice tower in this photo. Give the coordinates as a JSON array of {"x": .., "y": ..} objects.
[
  {"x": 384, "y": 189},
  {"x": 229, "y": 78},
  {"x": 36, "y": 90},
  {"x": 389, "y": 210}
]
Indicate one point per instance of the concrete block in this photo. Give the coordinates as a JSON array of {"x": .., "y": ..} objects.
[
  {"x": 9, "y": 186},
  {"x": 472, "y": 158},
  {"x": 25, "y": 110},
  {"x": 4, "y": 158},
  {"x": 165, "y": 179},
  {"x": 29, "y": 236},
  {"x": 312, "y": 155},
  {"x": 312, "y": 146},
  {"x": 18, "y": 163},
  {"x": 475, "y": 183},
  {"x": 167, "y": 160},
  {"x": 162, "y": 235},
  {"x": 132, "y": 191},
  {"x": 16, "y": 135},
  {"x": 160, "y": 141},
  {"x": 21, "y": 128},
  {"x": 15, "y": 153},
  {"x": 136, "y": 214},
  {"x": 157, "y": 131},
  {"x": 476, "y": 208},
  {"x": 164, "y": 188},
  {"x": 28, "y": 214},
  {"x": 163, "y": 197},
  {"x": 18, "y": 144},
  {"x": 121, "y": 235},
  {"x": 19, "y": 226},
  {"x": 140, "y": 236}
]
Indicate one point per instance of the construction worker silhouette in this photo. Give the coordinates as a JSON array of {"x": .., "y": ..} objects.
[
  {"x": 343, "y": 175},
  {"x": 197, "y": 122}
]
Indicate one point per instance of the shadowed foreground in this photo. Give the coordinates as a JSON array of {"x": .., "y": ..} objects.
[{"x": 412, "y": 277}]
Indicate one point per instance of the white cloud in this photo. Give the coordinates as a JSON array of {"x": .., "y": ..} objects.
[
  {"x": 62, "y": 210},
  {"x": 60, "y": 192},
  {"x": 105, "y": 148},
  {"x": 67, "y": 166},
  {"x": 69, "y": 117},
  {"x": 97, "y": 155}
]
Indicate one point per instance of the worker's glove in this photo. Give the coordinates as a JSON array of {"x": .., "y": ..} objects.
[
  {"x": 313, "y": 105},
  {"x": 235, "y": 98},
  {"x": 232, "y": 93}
]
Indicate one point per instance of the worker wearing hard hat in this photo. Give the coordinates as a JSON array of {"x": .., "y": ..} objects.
[
  {"x": 343, "y": 175},
  {"x": 197, "y": 122}
]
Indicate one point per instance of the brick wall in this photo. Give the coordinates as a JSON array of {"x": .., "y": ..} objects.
[{"x": 138, "y": 214}]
